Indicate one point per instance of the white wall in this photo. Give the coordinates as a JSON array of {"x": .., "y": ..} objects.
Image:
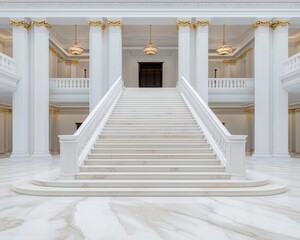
[{"x": 131, "y": 58}]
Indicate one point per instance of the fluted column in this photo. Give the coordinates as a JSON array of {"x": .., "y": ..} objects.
[
  {"x": 280, "y": 96},
  {"x": 249, "y": 63},
  {"x": 40, "y": 89},
  {"x": 20, "y": 121},
  {"x": 226, "y": 68},
  {"x": 201, "y": 58},
  {"x": 114, "y": 50},
  {"x": 74, "y": 68},
  {"x": 53, "y": 63},
  {"x": 184, "y": 48},
  {"x": 262, "y": 89},
  {"x": 97, "y": 84}
]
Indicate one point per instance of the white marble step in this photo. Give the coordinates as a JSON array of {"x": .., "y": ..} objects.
[
  {"x": 194, "y": 136},
  {"x": 147, "y": 146},
  {"x": 151, "y": 124},
  {"x": 30, "y": 189},
  {"x": 151, "y": 168},
  {"x": 104, "y": 183},
  {"x": 158, "y": 141},
  {"x": 152, "y": 156},
  {"x": 150, "y": 151},
  {"x": 150, "y": 121},
  {"x": 152, "y": 175},
  {"x": 152, "y": 128},
  {"x": 152, "y": 162}
]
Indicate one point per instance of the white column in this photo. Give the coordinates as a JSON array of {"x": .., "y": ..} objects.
[
  {"x": 53, "y": 131},
  {"x": 226, "y": 68},
  {"x": 20, "y": 121},
  {"x": 238, "y": 62},
  {"x": 249, "y": 63},
  {"x": 262, "y": 89},
  {"x": 40, "y": 89},
  {"x": 97, "y": 90},
  {"x": 183, "y": 27},
  {"x": 53, "y": 63},
  {"x": 2, "y": 130},
  {"x": 201, "y": 58},
  {"x": 280, "y": 96},
  {"x": 114, "y": 50},
  {"x": 74, "y": 68},
  {"x": 1, "y": 46}
]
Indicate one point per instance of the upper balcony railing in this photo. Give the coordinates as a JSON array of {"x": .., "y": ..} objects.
[
  {"x": 291, "y": 76},
  {"x": 69, "y": 83},
  {"x": 8, "y": 73},
  {"x": 231, "y": 83}
]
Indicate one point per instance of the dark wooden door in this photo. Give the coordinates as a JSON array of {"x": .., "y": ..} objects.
[{"x": 150, "y": 74}]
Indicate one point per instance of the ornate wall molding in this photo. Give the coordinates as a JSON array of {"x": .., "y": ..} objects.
[
  {"x": 280, "y": 24},
  {"x": 23, "y": 24},
  {"x": 97, "y": 24},
  {"x": 41, "y": 24}
]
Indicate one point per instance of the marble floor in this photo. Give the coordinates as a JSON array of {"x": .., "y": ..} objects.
[{"x": 76, "y": 218}]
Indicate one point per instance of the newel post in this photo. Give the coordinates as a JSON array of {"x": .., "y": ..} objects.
[
  {"x": 68, "y": 157},
  {"x": 235, "y": 153}
]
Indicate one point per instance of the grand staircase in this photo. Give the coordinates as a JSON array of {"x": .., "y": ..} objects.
[{"x": 150, "y": 146}]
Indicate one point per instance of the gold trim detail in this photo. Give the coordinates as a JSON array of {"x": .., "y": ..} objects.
[
  {"x": 238, "y": 58},
  {"x": 247, "y": 51},
  {"x": 20, "y": 24},
  {"x": 41, "y": 24},
  {"x": 227, "y": 61},
  {"x": 201, "y": 23},
  {"x": 115, "y": 24},
  {"x": 249, "y": 110},
  {"x": 72, "y": 61},
  {"x": 5, "y": 110},
  {"x": 53, "y": 51},
  {"x": 51, "y": 110},
  {"x": 182, "y": 24},
  {"x": 280, "y": 24},
  {"x": 97, "y": 24},
  {"x": 261, "y": 24}
]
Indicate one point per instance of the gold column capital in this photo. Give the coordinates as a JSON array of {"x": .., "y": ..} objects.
[
  {"x": 23, "y": 24},
  {"x": 97, "y": 24},
  {"x": 54, "y": 111},
  {"x": 247, "y": 51},
  {"x": 201, "y": 23},
  {"x": 115, "y": 24},
  {"x": 5, "y": 110},
  {"x": 238, "y": 58},
  {"x": 261, "y": 24},
  {"x": 182, "y": 24},
  {"x": 227, "y": 61},
  {"x": 280, "y": 24},
  {"x": 72, "y": 61},
  {"x": 41, "y": 24},
  {"x": 53, "y": 51}
]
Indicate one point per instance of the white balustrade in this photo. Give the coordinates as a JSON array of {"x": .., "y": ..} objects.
[
  {"x": 231, "y": 83},
  {"x": 69, "y": 83},
  {"x": 75, "y": 148},
  {"x": 7, "y": 63},
  {"x": 230, "y": 149},
  {"x": 292, "y": 64}
]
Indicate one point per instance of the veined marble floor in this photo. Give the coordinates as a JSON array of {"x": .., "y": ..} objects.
[{"x": 200, "y": 218}]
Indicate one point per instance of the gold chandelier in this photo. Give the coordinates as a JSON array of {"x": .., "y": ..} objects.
[
  {"x": 150, "y": 49},
  {"x": 75, "y": 49},
  {"x": 224, "y": 49}
]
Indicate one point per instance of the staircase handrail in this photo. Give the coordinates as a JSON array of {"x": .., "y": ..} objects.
[
  {"x": 75, "y": 148},
  {"x": 230, "y": 149}
]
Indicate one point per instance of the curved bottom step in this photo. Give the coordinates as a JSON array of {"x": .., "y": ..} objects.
[{"x": 29, "y": 189}]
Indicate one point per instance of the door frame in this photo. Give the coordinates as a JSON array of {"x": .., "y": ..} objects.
[{"x": 138, "y": 71}]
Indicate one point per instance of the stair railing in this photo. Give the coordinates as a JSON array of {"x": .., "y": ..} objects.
[
  {"x": 230, "y": 149},
  {"x": 75, "y": 148}
]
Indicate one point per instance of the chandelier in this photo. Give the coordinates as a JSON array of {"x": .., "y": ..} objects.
[
  {"x": 150, "y": 49},
  {"x": 224, "y": 49},
  {"x": 75, "y": 49}
]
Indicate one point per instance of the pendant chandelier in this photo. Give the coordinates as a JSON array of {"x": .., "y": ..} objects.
[
  {"x": 150, "y": 49},
  {"x": 224, "y": 49},
  {"x": 75, "y": 49}
]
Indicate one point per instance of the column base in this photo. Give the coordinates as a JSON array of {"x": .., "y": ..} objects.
[
  {"x": 281, "y": 155},
  {"x": 261, "y": 155},
  {"x": 19, "y": 155},
  {"x": 42, "y": 155}
]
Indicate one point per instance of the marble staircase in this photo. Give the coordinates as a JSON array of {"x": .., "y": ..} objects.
[{"x": 150, "y": 146}]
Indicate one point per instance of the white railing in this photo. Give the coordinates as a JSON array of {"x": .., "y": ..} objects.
[
  {"x": 69, "y": 83},
  {"x": 292, "y": 64},
  {"x": 8, "y": 73},
  {"x": 231, "y": 83},
  {"x": 8, "y": 64},
  {"x": 230, "y": 149},
  {"x": 75, "y": 148}
]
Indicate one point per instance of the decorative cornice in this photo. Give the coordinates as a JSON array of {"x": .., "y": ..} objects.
[
  {"x": 201, "y": 23},
  {"x": 280, "y": 24},
  {"x": 97, "y": 24},
  {"x": 115, "y": 24},
  {"x": 41, "y": 24},
  {"x": 261, "y": 24},
  {"x": 182, "y": 24},
  {"x": 23, "y": 24}
]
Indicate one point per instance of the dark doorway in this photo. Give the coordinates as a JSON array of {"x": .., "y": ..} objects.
[{"x": 150, "y": 74}]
